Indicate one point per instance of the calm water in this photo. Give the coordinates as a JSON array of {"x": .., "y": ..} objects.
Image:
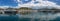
[{"x": 36, "y": 16}]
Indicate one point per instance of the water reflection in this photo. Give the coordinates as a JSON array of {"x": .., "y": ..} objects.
[
  {"x": 41, "y": 16},
  {"x": 37, "y": 16}
]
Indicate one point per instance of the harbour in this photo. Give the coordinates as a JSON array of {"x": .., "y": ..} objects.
[
  {"x": 33, "y": 15},
  {"x": 29, "y": 10}
]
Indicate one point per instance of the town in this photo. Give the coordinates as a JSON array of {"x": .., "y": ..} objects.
[{"x": 26, "y": 10}]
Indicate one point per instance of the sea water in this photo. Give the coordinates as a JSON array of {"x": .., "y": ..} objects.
[
  {"x": 8, "y": 18},
  {"x": 40, "y": 16},
  {"x": 35, "y": 16}
]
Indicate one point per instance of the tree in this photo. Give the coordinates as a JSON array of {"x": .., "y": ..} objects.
[{"x": 25, "y": 8}]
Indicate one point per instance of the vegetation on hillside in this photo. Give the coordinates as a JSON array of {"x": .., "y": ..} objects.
[
  {"x": 25, "y": 8},
  {"x": 25, "y": 12}
]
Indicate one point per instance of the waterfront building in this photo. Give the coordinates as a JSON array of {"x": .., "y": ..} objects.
[
  {"x": 1, "y": 10},
  {"x": 47, "y": 10},
  {"x": 25, "y": 10}
]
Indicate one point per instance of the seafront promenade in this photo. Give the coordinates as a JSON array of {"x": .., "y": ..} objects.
[{"x": 31, "y": 10}]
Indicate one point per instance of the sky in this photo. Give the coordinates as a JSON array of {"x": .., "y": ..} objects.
[
  {"x": 55, "y": 1},
  {"x": 29, "y": 3},
  {"x": 39, "y": 3},
  {"x": 8, "y": 3}
]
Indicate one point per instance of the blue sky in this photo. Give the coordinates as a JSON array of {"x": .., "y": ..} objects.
[
  {"x": 14, "y": 3},
  {"x": 55, "y": 1},
  {"x": 8, "y": 3}
]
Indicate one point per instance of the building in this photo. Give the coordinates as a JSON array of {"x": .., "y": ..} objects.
[{"x": 25, "y": 10}]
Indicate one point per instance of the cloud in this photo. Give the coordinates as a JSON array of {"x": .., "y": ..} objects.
[
  {"x": 41, "y": 3},
  {"x": 4, "y": 6}
]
